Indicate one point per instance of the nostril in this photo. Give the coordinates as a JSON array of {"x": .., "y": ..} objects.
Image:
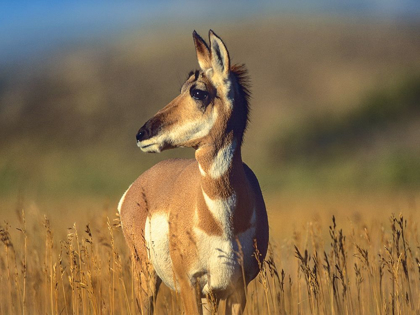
[{"x": 140, "y": 135}]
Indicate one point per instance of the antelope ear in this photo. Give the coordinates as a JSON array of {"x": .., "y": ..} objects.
[
  {"x": 203, "y": 52},
  {"x": 220, "y": 60}
]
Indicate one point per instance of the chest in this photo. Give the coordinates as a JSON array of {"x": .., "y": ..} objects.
[
  {"x": 219, "y": 260},
  {"x": 222, "y": 260}
]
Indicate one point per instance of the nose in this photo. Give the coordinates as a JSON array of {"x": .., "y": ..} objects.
[
  {"x": 141, "y": 134},
  {"x": 149, "y": 129}
]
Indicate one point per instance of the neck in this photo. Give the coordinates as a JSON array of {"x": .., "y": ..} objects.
[
  {"x": 223, "y": 183},
  {"x": 218, "y": 164}
]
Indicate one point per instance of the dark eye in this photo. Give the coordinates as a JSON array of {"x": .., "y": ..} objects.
[{"x": 199, "y": 94}]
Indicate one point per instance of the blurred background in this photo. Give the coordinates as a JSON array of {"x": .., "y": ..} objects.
[{"x": 335, "y": 97}]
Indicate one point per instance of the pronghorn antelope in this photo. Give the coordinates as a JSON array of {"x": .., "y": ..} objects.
[{"x": 195, "y": 224}]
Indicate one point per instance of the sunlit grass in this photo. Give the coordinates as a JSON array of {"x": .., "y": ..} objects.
[{"x": 342, "y": 255}]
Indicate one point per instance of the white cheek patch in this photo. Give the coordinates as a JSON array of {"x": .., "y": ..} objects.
[
  {"x": 223, "y": 160},
  {"x": 181, "y": 133},
  {"x": 193, "y": 130}
]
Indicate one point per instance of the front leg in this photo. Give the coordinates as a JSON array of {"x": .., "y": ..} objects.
[
  {"x": 146, "y": 289},
  {"x": 183, "y": 254},
  {"x": 235, "y": 303}
]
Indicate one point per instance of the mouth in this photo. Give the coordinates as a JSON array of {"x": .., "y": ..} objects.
[
  {"x": 144, "y": 146},
  {"x": 149, "y": 148}
]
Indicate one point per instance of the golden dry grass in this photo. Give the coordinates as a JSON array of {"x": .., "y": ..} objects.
[{"x": 329, "y": 255}]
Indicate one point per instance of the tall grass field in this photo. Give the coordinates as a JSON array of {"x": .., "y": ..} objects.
[{"x": 353, "y": 262}]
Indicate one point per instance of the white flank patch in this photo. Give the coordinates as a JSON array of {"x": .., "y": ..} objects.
[
  {"x": 156, "y": 234},
  {"x": 221, "y": 209},
  {"x": 223, "y": 160}
]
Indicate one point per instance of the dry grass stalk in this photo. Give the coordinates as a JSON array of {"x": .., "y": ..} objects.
[{"x": 91, "y": 272}]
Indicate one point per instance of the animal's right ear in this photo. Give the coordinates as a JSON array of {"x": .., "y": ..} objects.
[{"x": 203, "y": 52}]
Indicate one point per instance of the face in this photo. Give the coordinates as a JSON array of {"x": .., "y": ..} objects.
[
  {"x": 190, "y": 118},
  {"x": 185, "y": 121}
]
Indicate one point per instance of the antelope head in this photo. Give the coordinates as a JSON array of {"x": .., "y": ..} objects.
[{"x": 201, "y": 113}]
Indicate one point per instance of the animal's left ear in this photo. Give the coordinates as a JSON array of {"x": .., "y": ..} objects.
[{"x": 220, "y": 60}]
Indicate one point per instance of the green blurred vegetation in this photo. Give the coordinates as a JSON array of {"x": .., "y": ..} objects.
[
  {"x": 325, "y": 135},
  {"x": 372, "y": 145}
]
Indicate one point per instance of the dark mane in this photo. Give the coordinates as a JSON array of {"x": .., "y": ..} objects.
[{"x": 241, "y": 75}]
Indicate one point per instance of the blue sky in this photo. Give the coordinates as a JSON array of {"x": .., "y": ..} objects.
[
  {"x": 32, "y": 27},
  {"x": 29, "y": 27}
]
